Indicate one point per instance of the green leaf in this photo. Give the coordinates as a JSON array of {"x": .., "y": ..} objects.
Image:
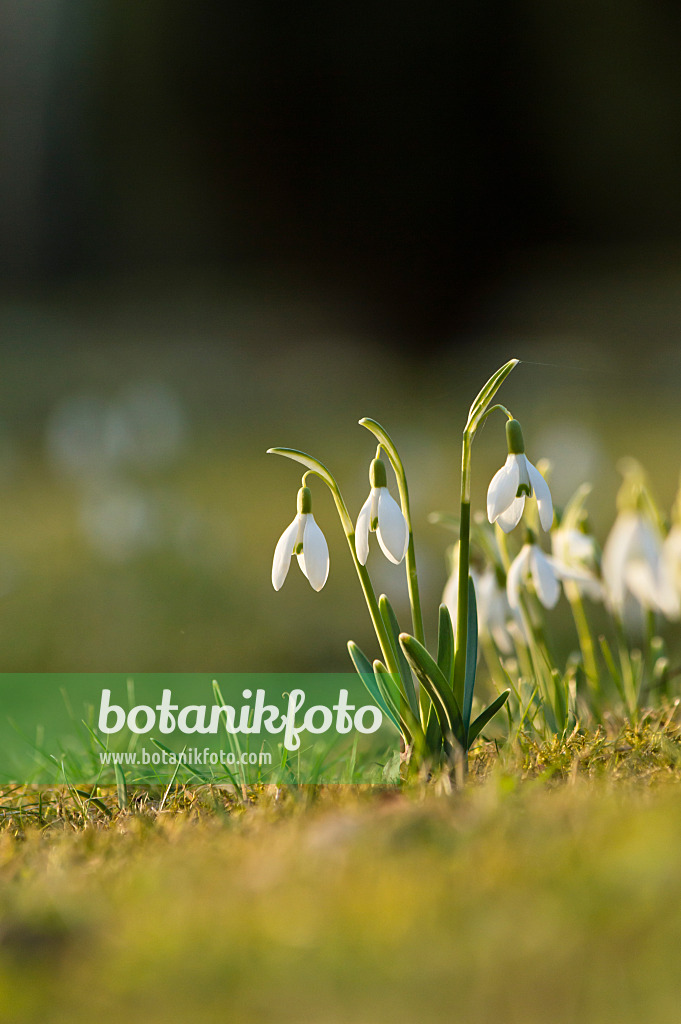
[
  {"x": 99, "y": 804},
  {"x": 387, "y": 688},
  {"x": 445, "y": 644},
  {"x": 561, "y": 699},
  {"x": 471, "y": 654},
  {"x": 410, "y": 727},
  {"x": 192, "y": 769},
  {"x": 392, "y": 626},
  {"x": 433, "y": 734},
  {"x": 437, "y": 687},
  {"x": 612, "y": 667},
  {"x": 121, "y": 788},
  {"x": 487, "y": 393},
  {"x": 365, "y": 671},
  {"x": 481, "y": 721},
  {"x": 232, "y": 737}
]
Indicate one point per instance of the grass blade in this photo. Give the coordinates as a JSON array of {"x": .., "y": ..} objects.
[
  {"x": 121, "y": 788},
  {"x": 481, "y": 721}
]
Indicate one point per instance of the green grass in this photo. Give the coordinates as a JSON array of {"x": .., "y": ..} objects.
[{"x": 548, "y": 889}]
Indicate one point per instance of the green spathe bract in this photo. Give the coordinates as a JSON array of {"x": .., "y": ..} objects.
[{"x": 429, "y": 700}]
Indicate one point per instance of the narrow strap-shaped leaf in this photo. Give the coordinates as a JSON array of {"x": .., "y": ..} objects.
[
  {"x": 487, "y": 393},
  {"x": 561, "y": 702},
  {"x": 471, "y": 655},
  {"x": 433, "y": 734},
  {"x": 232, "y": 737},
  {"x": 612, "y": 667},
  {"x": 437, "y": 687},
  {"x": 391, "y": 625},
  {"x": 365, "y": 671},
  {"x": 386, "y": 684},
  {"x": 445, "y": 643},
  {"x": 409, "y": 726},
  {"x": 194, "y": 769},
  {"x": 484, "y": 717},
  {"x": 121, "y": 787}
]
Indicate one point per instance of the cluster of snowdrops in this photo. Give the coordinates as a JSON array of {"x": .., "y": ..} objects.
[{"x": 497, "y": 595}]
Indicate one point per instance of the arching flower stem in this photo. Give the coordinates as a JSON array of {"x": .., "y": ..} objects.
[
  {"x": 477, "y": 414},
  {"x": 318, "y": 469},
  {"x": 388, "y": 446}
]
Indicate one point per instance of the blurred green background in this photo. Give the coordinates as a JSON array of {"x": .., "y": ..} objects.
[{"x": 227, "y": 230}]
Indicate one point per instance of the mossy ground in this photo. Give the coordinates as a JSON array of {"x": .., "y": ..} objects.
[{"x": 548, "y": 889}]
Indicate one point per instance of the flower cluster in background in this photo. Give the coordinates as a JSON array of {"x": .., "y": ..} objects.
[
  {"x": 619, "y": 598},
  {"x": 508, "y": 572}
]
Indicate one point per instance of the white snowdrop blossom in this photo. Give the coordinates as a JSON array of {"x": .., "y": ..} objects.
[
  {"x": 671, "y": 554},
  {"x": 516, "y": 480},
  {"x": 545, "y": 572},
  {"x": 380, "y": 514},
  {"x": 636, "y": 563},
  {"x": 578, "y": 551},
  {"x": 494, "y": 611},
  {"x": 304, "y": 539}
]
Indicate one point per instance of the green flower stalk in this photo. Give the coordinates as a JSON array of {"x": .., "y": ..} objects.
[
  {"x": 477, "y": 414},
  {"x": 429, "y": 699}
]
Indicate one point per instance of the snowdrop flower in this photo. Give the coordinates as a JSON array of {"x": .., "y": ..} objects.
[
  {"x": 545, "y": 572},
  {"x": 671, "y": 554},
  {"x": 516, "y": 480},
  {"x": 637, "y": 564},
  {"x": 494, "y": 612},
  {"x": 304, "y": 539},
  {"x": 381, "y": 515},
  {"x": 578, "y": 551}
]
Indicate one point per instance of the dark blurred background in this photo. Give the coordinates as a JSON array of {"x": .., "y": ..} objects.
[
  {"x": 403, "y": 155},
  {"x": 229, "y": 226}
]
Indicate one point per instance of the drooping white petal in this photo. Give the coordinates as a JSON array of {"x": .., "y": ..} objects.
[
  {"x": 503, "y": 488},
  {"x": 517, "y": 570},
  {"x": 544, "y": 578},
  {"x": 542, "y": 494},
  {"x": 493, "y": 610},
  {"x": 509, "y": 519},
  {"x": 671, "y": 556},
  {"x": 314, "y": 560},
  {"x": 588, "y": 583},
  {"x": 615, "y": 555},
  {"x": 572, "y": 547},
  {"x": 672, "y": 545},
  {"x": 392, "y": 532},
  {"x": 631, "y": 539},
  {"x": 653, "y": 589},
  {"x": 283, "y": 553},
  {"x": 668, "y": 600},
  {"x": 362, "y": 532},
  {"x": 374, "y": 494}
]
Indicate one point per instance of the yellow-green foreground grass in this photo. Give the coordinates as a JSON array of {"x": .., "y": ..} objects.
[{"x": 548, "y": 890}]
